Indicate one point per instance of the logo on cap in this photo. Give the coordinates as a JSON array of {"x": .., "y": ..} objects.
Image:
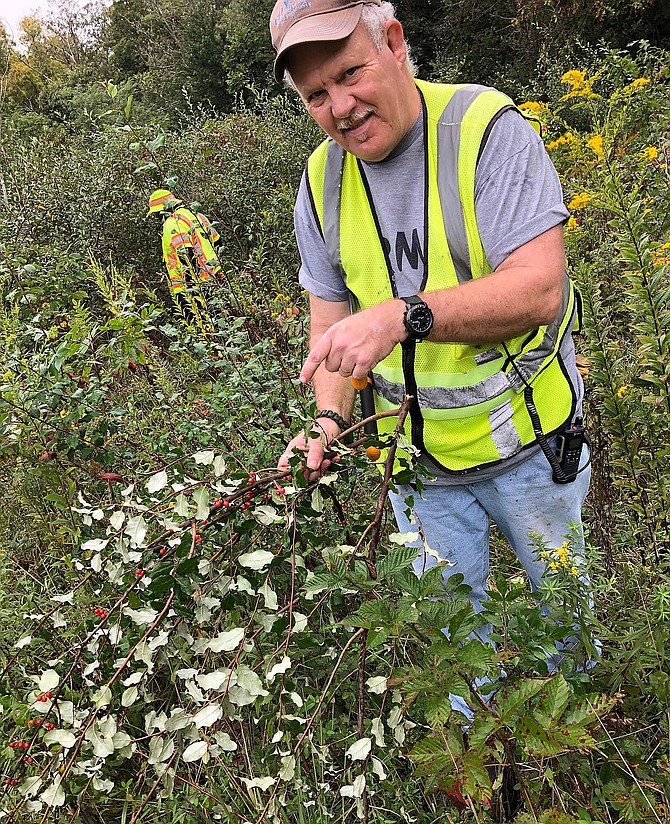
[{"x": 288, "y": 9}]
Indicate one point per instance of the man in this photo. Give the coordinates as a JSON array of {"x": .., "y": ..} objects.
[
  {"x": 188, "y": 252},
  {"x": 430, "y": 233}
]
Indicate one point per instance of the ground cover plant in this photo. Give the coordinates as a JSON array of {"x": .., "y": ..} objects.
[{"x": 190, "y": 635}]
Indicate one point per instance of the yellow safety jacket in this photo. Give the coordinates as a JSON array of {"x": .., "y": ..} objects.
[
  {"x": 187, "y": 248},
  {"x": 468, "y": 408}
]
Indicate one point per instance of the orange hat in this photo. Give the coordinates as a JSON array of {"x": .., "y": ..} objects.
[{"x": 306, "y": 21}]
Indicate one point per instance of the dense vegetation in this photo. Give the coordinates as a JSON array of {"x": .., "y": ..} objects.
[{"x": 187, "y": 634}]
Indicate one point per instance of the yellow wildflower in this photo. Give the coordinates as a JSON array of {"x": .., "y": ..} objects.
[
  {"x": 553, "y": 566},
  {"x": 636, "y": 84},
  {"x": 622, "y": 390},
  {"x": 661, "y": 256},
  {"x": 572, "y": 224},
  {"x": 596, "y": 143},
  {"x": 579, "y": 201},
  {"x": 574, "y": 571},
  {"x": 574, "y": 78},
  {"x": 535, "y": 106},
  {"x": 649, "y": 153}
]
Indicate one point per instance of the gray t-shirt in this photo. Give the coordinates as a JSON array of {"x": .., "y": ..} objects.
[{"x": 517, "y": 197}]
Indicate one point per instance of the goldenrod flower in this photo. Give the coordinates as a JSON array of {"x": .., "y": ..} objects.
[
  {"x": 574, "y": 571},
  {"x": 596, "y": 143},
  {"x": 574, "y": 78},
  {"x": 622, "y": 390},
  {"x": 572, "y": 224},
  {"x": 649, "y": 153},
  {"x": 579, "y": 201},
  {"x": 636, "y": 84}
]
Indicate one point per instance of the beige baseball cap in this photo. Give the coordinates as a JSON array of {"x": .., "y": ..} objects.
[{"x": 305, "y": 21}]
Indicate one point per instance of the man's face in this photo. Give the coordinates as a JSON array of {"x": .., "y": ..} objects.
[{"x": 363, "y": 98}]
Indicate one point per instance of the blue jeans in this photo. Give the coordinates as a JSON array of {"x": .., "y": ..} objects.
[{"x": 456, "y": 521}]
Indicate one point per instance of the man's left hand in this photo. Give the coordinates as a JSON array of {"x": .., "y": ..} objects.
[{"x": 356, "y": 344}]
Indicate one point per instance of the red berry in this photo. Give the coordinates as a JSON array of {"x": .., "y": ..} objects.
[
  {"x": 226, "y": 504},
  {"x": 217, "y": 503},
  {"x": 198, "y": 539},
  {"x": 12, "y": 744},
  {"x": 49, "y": 694},
  {"x": 162, "y": 551},
  {"x": 139, "y": 572}
]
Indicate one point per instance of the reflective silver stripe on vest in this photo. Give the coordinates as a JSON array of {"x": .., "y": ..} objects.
[
  {"x": 503, "y": 432},
  {"x": 437, "y": 397},
  {"x": 530, "y": 363},
  {"x": 332, "y": 202},
  {"x": 448, "y": 145}
]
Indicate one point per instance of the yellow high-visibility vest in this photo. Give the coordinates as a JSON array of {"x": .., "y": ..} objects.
[
  {"x": 468, "y": 406},
  {"x": 188, "y": 248}
]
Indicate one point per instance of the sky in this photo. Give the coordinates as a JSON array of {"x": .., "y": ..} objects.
[{"x": 11, "y": 12}]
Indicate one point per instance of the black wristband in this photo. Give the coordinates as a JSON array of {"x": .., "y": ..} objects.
[{"x": 334, "y": 416}]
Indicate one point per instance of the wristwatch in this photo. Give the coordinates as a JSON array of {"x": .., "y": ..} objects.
[{"x": 418, "y": 318}]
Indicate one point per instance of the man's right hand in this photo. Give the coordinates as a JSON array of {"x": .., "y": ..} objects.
[{"x": 314, "y": 449}]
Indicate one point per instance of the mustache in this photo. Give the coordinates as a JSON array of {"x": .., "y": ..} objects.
[{"x": 354, "y": 120}]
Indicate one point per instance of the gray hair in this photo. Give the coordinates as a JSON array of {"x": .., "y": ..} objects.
[{"x": 373, "y": 17}]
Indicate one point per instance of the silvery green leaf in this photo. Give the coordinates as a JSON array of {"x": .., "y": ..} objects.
[
  {"x": 31, "y": 786},
  {"x": 267, "y": 515},
  {"x": 204, "y": 457},
  {"x": 269, "y": 595},
  {"x": 378, "y": 732},
  {"x": 207, "y": 716},
  {"x": 68, "y": 598},
  {"x": 360, "y": 749},
  {"x": 96, "y": 562},
  {"x": 136, "y": 530},
  {"x": 195, "y": 751},
  {"x": 259, "y": 783},
  {"x": 95, "y": 545},
  {"x": 141, "y": 616},
  {"x": 225, "y": 741},
  {"x": 180, "y": 506},
  {"x": 160, "y": 749},
  {"x": 195, "y": 692},
  {"x": 279, "y": 669},
  {"x": 219, "y": 465},
  {"x": 377, "y": 684},
  {"x": 179, "y": 720},
  {"x": 354, "y": 790},
  {"x": 129, "y": 696},
  {"x": 133, "y": 678},
  {"x": 116, "y": 519},
  {"x": 54, "y": 796},
  {"x": 215, "y": 680},
  {"x": 65, "y": 738},
  {"x": 103, "y": 785},
  {"x": 201, "y": 498},
  {"x": 317, "y": 500},
  {"x": 259, "y": 559},
  {"x": 299, "y": 622},
  {"x": 240, "y": 697},
  {"x": 102, "y": 747},
  {"x": 287, "y": 770},
  {"x": 49, "y": 680},
  {"x": 378, "y": 768},
  {"x": 248, "y": 680},
  {"x": 120, "y": 740},
  {"x": 102, "y": 697},
  {"x": 403, "y": 538},
  {"x": 157, "y": 482},
  {"x": 226, "y": 641},
  {"x": 23, "y": 642}
]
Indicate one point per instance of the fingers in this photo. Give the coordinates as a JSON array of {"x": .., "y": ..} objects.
[{"x": 314, "y": 452}]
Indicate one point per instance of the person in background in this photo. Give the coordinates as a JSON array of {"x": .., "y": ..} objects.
[{"x": 188, "y": 251}]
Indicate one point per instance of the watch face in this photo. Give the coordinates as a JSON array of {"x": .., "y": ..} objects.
[{"x": 419, "y": 320}]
